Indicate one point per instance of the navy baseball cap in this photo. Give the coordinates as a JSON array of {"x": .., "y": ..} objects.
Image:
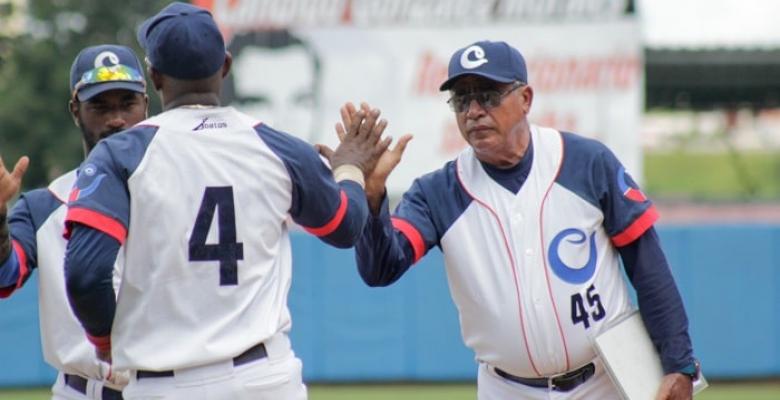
[
  {"x": 97, "y": 69},
  {"x": 183, "y": 41},
  {"x": 497, "y": 61}
]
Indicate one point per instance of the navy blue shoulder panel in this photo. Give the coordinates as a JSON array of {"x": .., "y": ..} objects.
[
  {"x": 440, "y": 197},
  {"x": 593, "y": 172},
  {"x": 41, "y": 203},
  {"x": 128, "y": 147},
  {"x": 310, "y": 200},
  {"x": 582, "y": 164}
]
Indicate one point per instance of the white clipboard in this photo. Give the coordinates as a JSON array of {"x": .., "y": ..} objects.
[{"x": 632, "y": 361}]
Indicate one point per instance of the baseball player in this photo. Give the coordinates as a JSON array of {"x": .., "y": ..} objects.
[
  {"x": 108, "y": 95},
  {"x": 532, "y": 223},
  {"x": 200, "y": 197}
]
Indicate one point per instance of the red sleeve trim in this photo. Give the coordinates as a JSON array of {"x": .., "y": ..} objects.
[
  {"x": 637, "y": 228},
  {"x": 102, "y": 343},
  {"x": 95, "y": 220},
  {"x": 412, "y": 235},
  {"x": 334, "y": 223},
  {"x": 24, "y": 270}
]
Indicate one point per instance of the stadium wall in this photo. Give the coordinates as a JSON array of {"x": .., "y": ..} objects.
[{"x": 729, "y": 276}]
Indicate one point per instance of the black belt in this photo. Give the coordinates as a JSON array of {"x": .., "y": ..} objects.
[
  {"x": 256, "y": 352},
  {"x": 79, "y": 384},
  {"x": 561, "y": 383}
]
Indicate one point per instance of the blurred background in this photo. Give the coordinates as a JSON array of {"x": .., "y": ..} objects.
[{"x": 687, "y": 94}]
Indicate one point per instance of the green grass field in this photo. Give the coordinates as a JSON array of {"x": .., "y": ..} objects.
[
  {"x": 716, "y": 391},
  {"x": 713, "y": 176}
]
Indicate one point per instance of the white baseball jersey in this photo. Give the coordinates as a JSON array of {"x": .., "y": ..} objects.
[
  {"x": 534, "y": 274},
  {"x": 36, "y": 224},
  {"x": 201, "y": 199}
]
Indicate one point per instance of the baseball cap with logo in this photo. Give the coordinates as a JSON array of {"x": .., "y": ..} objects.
[
  {"x": 101, "y": 68},
  {"x": 497, "y": 61},
  {"x": 183, "y": 41}
]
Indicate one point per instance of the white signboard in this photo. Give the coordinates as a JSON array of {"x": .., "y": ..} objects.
[{"x": 295, "y": 67}]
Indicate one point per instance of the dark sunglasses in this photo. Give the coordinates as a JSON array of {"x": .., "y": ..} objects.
[{"x": 486, "y": 99}]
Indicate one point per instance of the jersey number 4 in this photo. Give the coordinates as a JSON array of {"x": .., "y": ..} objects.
[{"x": 228, "y": 251}]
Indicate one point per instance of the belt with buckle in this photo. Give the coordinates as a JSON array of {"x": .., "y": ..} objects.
[
  {"x": 562, "y": 383},
  {"x": 256, "y": 352},
  {"x": 79, "y": 384}
]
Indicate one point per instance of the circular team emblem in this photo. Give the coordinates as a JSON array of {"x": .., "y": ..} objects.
[
  {"x": 575, "y": 238},
  {"x": 478, "y": 54},
  {"x": 89, "y": 169},
  {"x": 100, "y": 60}
]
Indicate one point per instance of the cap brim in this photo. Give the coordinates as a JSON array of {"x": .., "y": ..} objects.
[
  {"x": 451, "y": 81},
  {"x": 91, "y": 91}
]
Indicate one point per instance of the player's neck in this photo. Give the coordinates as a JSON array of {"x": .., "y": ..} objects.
[{"x": 192, "y": 99}]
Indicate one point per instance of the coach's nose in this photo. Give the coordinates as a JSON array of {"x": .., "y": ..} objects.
[{"x": 474, "y": 110}]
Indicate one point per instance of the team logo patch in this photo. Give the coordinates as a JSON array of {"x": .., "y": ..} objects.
[
  {"x": 628, "y": 191},
  {"x": 575, "y": 239},
  {"x": 110, "y": 56},
  {"x": 478, "y": 54},
  {"x": 89, "y": 180}
]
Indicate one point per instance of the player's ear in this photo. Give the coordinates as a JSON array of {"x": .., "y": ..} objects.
[
  {"x": 146, "y": 106},
  {"x": 156, "y": 77},
  {"x": 528, "y": 98},
  {"x": 228, "y": 63},
  {"x": 73, "y": 107}
]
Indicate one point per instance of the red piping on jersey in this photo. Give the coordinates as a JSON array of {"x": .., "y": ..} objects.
[
  {"x": 512, "y": 264},
  {"x": 544, "y": 255},
  {"x": 637, "y": 228},
  {"x": 412, "y": 235},
  {"x": 23, "y": 270},
  {"x": 94, "y": 220},
  {"x": 334, "y": 223},
  {"x": 102, "y": 343}
]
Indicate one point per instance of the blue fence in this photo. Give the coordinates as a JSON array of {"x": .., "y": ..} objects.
[{"x": 344, "y": 331}]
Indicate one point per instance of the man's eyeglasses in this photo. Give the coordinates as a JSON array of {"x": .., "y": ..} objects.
[{"x": 486, "y": 99}]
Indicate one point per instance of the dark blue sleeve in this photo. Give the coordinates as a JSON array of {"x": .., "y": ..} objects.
[
  {"x": 24, "y": 220},
  {"x": 89, "y": 264},
  {"x": 660, "y": 303},
  {"x": 390, "y": 245},
  {"x": 334, "y": 212},
  {"x": 383, "y": 254}
]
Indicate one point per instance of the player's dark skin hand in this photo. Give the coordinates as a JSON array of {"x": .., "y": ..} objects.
[
  {"x": 11, "y": 181},
  {"x": 675, "y": 386},
  {"x": 362, "y": 145}
]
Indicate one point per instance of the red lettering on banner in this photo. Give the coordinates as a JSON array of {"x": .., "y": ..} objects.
[
  {"x": 431, "y": 72},
  {"x": 619, "y": 72},
  {"x": 452, "y": 141}
]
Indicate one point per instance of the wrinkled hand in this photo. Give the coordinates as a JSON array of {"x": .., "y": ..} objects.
[
  {"x": 675, "y": 386},
  {"x": 362, "y": 143},
  {"x": 377, "y": 178},
  {"x": 11, "y": 182}
]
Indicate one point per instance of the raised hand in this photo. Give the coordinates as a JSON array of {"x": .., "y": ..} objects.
[
  {"x": 377, "y": 178},
  {"x": 11, "y": 182},
  {"x": 361, "y": 143}
]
